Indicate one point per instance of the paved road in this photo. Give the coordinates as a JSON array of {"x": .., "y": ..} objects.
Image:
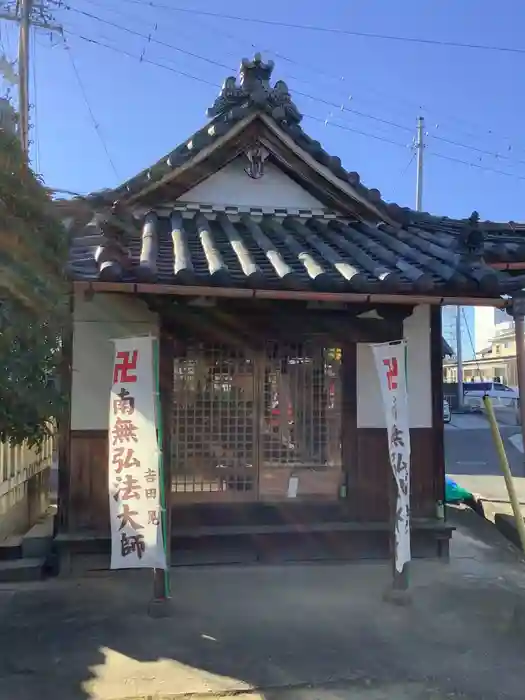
[
  {"x": 472, "y": 460},
  {"x": 276, "y": 632}
]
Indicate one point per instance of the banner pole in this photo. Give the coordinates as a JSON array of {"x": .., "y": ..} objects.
[
  {"x": 391, "y": 365},
  {"x": 400, "y": 580}
]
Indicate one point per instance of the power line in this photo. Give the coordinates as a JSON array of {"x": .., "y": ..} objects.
[
  {"x": 142, "y": 59},
  {"x": 311, "y": 68},
  {"x": 344, "y": 127},
  {"x": 433, "y": 153},
  {"x": 331, "y": 30},
  {"x": 403, "y": 127},
  {"x": 402, "y": 174},
  {"x": 96, "y": 125},
  {"x": 342, "y": 107},
  {"x": 148, "y": 37},
  {"x": 355, "y": 131},
  {"x": 474, "y": 148},
  {"x": 476, "y": 165},
  {"x": 137, "y": 18}
]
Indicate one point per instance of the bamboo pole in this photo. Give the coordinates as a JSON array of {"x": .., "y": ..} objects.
[{"x": 504, "y": 464}]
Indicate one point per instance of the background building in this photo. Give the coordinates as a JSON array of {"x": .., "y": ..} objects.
[
  {"x": 496, "y": 361},
  {"x": 487, "y": 322},
  {"x": 479, "y": 325},
  {"x": 467, "y": 329}
]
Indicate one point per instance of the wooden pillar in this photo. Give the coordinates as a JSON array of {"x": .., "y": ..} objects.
[
  {"x": 438, "y": 427},
  {"x": 349, "y": 442},
  {"x": 61, "y": 522},
  {"x": 518, "y": 306},
  {"x": 166, "y": 345}
]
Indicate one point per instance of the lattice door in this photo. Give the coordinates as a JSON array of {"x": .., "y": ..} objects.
[
  {"x": 214, "y": 425},
  {"x": 300, "y": 445}
]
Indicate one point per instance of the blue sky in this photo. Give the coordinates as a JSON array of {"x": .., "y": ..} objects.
[{"x": 143, "y": 111}]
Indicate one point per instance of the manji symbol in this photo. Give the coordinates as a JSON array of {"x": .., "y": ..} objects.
[
  {"x": 392, "y": 372},
  {"x": 128, "y": 363}
]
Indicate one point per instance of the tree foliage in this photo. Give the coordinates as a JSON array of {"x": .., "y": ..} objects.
[{"x": 33, "y": 299}]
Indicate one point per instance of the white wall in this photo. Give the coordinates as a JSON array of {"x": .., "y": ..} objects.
[
  {"x": 96, "y": 322},
  {"x": 232, "y": 186},
  {"x": 369, "y": 407}
]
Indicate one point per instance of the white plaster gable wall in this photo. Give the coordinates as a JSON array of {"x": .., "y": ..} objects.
[
  {"x": 232, "y": 186},
  {"x": 369, "y": 406},
  {"x": 95, "y": 324}
]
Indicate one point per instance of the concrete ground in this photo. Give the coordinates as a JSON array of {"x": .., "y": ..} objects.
[
  {"x": 294, "y": 632},
  {"x": 472, "y": 460}
]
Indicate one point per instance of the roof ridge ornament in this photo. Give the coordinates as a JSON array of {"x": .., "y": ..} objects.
[
  {"x": 472, "y": 239},
  {"x": 256, "y": 156},
  {"x": 255, "y": 73},
  {"x": 253, "y": 90}
]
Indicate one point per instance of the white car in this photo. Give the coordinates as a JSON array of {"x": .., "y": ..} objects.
[
  {"x": 446, "y": 411},
  {"x": 502, "y": 395}
]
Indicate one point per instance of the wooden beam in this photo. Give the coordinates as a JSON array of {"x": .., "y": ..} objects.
[
  {"x": 508, "y": 266},
  {"x": 240, "y": 327},
  {"x": 198, "y": 322},
  {"x": 328, "y": 297},
  {"x": 206, "y": 161}
]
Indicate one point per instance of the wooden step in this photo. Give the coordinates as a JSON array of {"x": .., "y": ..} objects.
[
  {"x": 18, "y": 570},
  {"x": 11, "y": 548}
]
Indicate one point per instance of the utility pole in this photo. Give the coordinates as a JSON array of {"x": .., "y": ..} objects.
[
  {"x": 419, "y": 149},
  {"x": 459, "y": 356},
  {"x": 23, "y": 16},
  {"x": 23, "y": 74}
]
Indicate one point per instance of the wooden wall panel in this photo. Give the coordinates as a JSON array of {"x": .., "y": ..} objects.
[
  {"x": 369, "y": 484},
  {"x": 424, "y": 483},
  {"x": 368, "y": 478},
  {"x": 88, "y": 489},
  {"x": 368, "y": 490}
]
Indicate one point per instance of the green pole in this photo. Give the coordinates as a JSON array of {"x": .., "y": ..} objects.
[
  {"x": 406, "y": 367},
  {"x": 158, "y": 413}
]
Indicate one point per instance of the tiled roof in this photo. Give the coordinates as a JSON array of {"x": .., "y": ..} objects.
[
  {"x": 501, "y": 242},
  {"x": 237, "y": 100},
  {"x": 284, "y": 250},
  {"x": 397, "y": 249}
]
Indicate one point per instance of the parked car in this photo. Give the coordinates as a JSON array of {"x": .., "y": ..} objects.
[
  {"x": 446, "y": 411},
  {"x": 502, "y": 396}
]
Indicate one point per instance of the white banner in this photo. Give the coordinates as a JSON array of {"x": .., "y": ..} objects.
[
  {"x": 133, "y": 473},
  {"x": 390, "y": 360}
]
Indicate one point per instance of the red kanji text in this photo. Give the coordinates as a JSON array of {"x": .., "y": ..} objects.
[
  {"x": 122, "y": 370},
  {"x": 392, "y": 372}
]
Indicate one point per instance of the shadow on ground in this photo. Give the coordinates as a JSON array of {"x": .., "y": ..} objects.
[{"x": 296, "y": 631}]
